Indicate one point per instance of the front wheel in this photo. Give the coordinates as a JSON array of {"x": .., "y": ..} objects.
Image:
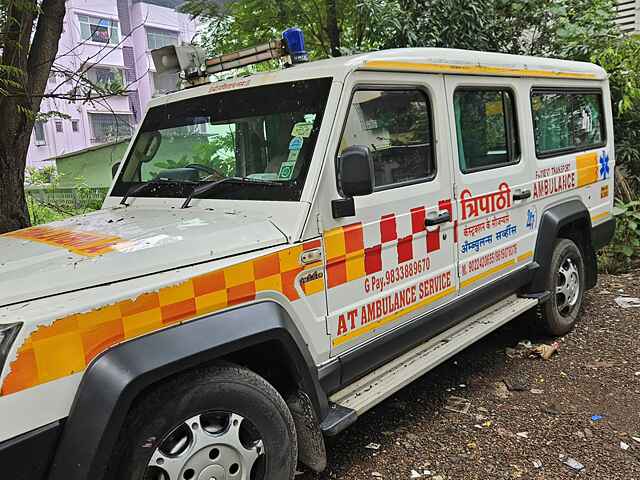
[
  {"x": 565, "y": 281},
  {"x": 222, "y": 423}
]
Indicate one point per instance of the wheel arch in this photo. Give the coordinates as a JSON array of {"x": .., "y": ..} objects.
[
  {"x": 120, "y": 375},
  {"x": 567, "y": 220}
]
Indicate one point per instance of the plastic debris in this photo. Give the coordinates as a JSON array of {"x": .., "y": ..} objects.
[
  {"x": 523, "y": 434},
  {"x": 571, "y": 463},
  {"x": 526, "y": 348},
  {"x": 373, "y": 446},
  {"x": 537, "y": 464},
  {"x": 628, "y": 302},
  {"x": 636, "y": 439},
  {"x": 596, "y": 418},
  {"x": 546, "y": 351},
  {"x": 624, "y": 446},
  {"x": 537, "y": 391},
  {"x": 458, "y": 405},
  {"x": 416, "y": 474}
]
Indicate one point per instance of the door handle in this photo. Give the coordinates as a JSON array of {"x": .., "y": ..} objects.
[
  {"x": 521, "y": 194},
  {"x": 441, "y": 217}
]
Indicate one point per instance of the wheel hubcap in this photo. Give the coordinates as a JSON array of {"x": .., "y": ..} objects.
[
  {"x": 210, "y": 446},
  {"x": 567, "y": 286}
]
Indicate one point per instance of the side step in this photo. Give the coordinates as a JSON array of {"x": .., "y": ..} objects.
[{"x": 370, "y": 390}]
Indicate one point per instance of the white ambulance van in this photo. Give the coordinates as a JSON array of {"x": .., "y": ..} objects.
[{"x": 281, "y": 252}]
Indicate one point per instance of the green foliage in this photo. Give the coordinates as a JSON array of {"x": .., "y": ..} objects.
[
  {"x": 624, "y": 250},
  {"x": 362, "y": 25},
  {"x": 217, "y": 154},
  {"x": 49, "y": 203}
]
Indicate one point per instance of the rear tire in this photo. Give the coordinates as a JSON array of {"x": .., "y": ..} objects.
[
  {"x": 566, "y": 282},
  {"x": 215, "y": 422}
]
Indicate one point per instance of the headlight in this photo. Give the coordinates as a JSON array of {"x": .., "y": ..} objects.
[{"x": 8, "y": 333}]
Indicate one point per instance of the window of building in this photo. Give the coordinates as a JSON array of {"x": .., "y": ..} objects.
[
  {"x": 486, "y": 129},
  {"x": 164, "y": 82},
  {"x": 38, "y": 130},
  {"x": 107, "y": 127},
  {"x": 157, "y": 38},
  {"x": 567, "y": 121},
  {"x": 59, "y": 126},
  {"x": 396, "y": 127},
  {"x": 96, "y": 29},
  {"x": 110, "y": 78},
  {"x": 75, "y": 125}
]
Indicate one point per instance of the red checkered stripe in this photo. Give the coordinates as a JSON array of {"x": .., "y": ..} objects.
[{"x": 349, "y": 259}]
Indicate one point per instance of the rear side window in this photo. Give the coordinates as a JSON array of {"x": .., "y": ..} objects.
[
  {"x": 486, "y": 129},
  {"x": 396, "y": 127},
  {"x": 567, "y": 121}
]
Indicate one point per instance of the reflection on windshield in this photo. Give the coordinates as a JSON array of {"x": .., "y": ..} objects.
[{"x": 264, "y": 133}]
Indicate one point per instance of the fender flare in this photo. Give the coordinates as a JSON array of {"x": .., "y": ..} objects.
[
  {"x": 551, "y": 222},
  {"x": 116, "y": 377}
]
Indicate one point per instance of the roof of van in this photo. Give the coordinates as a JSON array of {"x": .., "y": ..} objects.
[{"x": 423, "y": 60}]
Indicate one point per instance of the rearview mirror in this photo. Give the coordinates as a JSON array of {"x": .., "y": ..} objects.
[{"x": 355, "y": 171}]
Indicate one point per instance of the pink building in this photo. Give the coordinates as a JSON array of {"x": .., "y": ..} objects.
[{"x": 110, "y": 40}]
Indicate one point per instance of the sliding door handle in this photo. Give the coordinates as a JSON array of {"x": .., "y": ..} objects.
[
  {"x": 521, "y": 194},
  {"x": 441, "y": 217}
]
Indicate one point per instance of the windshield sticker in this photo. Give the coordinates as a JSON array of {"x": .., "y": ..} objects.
[
  {"x": 88, "y": 244},
  {"x": 296, "y": 143},
  {"x": 293, "y": 156},
  {"x": 286, "y": 170},
  {"x": 302, "y": 129}
]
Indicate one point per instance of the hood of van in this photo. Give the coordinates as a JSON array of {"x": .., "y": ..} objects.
[{"x": 117, "y": 244}]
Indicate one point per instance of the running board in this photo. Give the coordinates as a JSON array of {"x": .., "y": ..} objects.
[{"x": 370, "y": 390}]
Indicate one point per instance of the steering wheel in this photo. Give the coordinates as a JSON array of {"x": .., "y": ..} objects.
[{"x": 206, "y": 169}]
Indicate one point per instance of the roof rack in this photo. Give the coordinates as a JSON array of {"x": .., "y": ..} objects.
[{"x": 190, "y": 61}]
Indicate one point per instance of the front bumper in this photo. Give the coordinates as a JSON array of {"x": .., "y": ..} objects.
[{"x": 29, "y": 456}]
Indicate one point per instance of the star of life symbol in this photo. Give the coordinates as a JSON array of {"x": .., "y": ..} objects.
[
  {"x": 603, "y": 171},
  {"x": 531, "y": 219}
]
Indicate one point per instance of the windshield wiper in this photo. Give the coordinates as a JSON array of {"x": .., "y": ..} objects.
[
  {"x": 210, "y": 186},
  {"x": 135, "y": 189}
]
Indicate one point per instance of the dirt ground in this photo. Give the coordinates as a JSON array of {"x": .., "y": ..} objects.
[{"x": 525, "y": 413}]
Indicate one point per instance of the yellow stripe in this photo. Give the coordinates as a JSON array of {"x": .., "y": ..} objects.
[
  {"x": 488, "y": 273},
  {"x": 600, "y": 216},
  {"x": 384, "y": 321},
  {"x": 471, "y": 70},
  {"x": 525, "y": 256}
]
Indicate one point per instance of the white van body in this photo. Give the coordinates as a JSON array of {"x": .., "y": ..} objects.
[{"x": 353, "y": 286}]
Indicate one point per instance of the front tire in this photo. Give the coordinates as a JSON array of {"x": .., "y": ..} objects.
[
  {"x": 222, "y": 422},
  {"x": 566, "y": 282}
]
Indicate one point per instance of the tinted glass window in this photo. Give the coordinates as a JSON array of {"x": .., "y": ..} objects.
[
  {"x": 396, "y": 127},
  {"x": 486, "y": 129},
  {"x": 567, "y": 121}
]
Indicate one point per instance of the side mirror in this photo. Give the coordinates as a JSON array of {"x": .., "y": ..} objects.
[{"x": 354, "y": 170}]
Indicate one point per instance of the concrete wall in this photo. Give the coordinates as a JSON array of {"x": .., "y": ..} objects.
[{"x": 91, "y": 167}]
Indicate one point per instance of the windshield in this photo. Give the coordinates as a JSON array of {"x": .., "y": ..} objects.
[{"x": 265, "y": 135}]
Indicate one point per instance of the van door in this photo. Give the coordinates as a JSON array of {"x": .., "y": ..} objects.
[
  {"x": 394, "y": 259},
  {"x": 493, "y": 178}
]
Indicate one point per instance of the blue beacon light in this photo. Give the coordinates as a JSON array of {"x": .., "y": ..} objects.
[{"x": 294, "y": 41}]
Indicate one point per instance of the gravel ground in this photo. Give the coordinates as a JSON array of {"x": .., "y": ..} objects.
[{"x": 525, "y": 412}]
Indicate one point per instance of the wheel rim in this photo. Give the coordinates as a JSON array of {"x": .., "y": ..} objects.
[
  {"x": 567, "y": 286},
  {"x": 208, "y": 446}
]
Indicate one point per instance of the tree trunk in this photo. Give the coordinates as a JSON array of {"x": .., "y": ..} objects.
[
  {"x": 19, "y": 107},
  {"x": 332, "y": 28}
]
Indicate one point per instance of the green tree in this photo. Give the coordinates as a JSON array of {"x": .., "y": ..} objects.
[{"x": 331, "y": 27}]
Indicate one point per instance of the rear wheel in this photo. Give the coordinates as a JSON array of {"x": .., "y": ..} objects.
[
  {"x": 218, "y": 423},
  {"x": 565, "y": 281}
]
